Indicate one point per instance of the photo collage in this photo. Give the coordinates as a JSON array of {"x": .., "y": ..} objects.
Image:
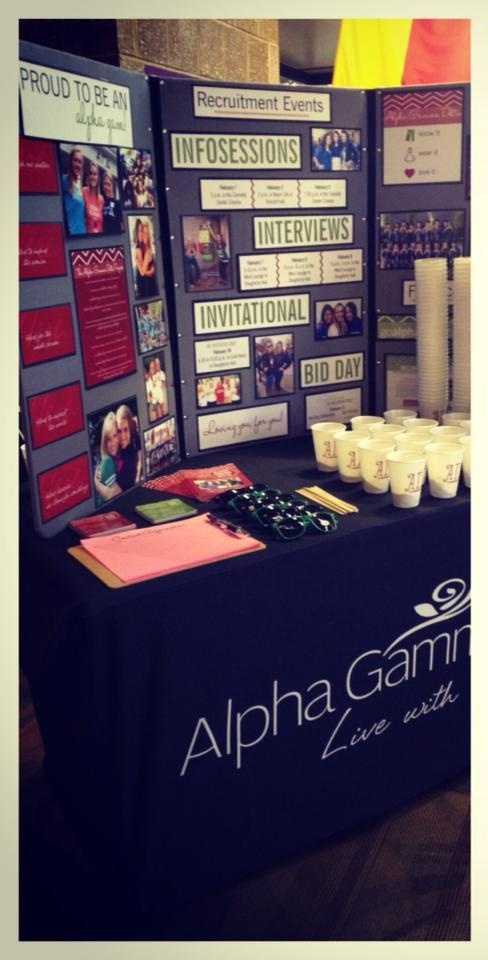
[
  {"x": 268, "y": 219},
  {"x": 114, "y": 309}
]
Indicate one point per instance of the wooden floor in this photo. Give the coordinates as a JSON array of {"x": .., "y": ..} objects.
[{"x": 405, "y": 877}]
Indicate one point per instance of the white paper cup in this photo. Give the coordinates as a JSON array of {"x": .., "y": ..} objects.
[
  {"x": 385, "y": 431},
  {"x": 414, "y": 441},
  {"x": 358, "y": 423},
  {"x": 374, "y": 465},
  {"x": 324, "y": 444},
  {"x": 419, "y": 423},
  {"x": 349, "y": 454},
  {"x": 406, "y": 472},
  {"x": 444, "y": 462},
  {"x": 465, "y": 442},
  {"x": 454, "y": 419},
  {"x": 398, "y": 416},
  {"x": 450, "y": 434},
  {"x": 466, "y": 425}
]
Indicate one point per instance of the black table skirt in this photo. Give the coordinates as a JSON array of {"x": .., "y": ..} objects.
[{"x": 201, "y": 726}]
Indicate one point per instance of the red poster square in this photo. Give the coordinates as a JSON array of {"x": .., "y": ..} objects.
[
  {"x": 104, "y": 321},
  {"x": 41, "y": 250},
  {"x": 46, "y": 334},
  {"x": 37, "y": 166},
  {"x": 55, "y": 414},
  {"x": 63, "y": 487}
]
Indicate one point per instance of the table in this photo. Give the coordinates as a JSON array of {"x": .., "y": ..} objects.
[{"x": 202, "y": 726}]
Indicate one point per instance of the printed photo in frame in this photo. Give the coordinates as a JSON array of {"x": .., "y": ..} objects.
[
  {"x": 160, "y": 446},
  {"x": 137, "y": 178},
  {"x": 335, "y": 148},
  {"x": 206, "y": 252},
  {"x": 90, "y": 189},
  {"x": 338, "y": 318},
  {"x": 274, "y": 365},
  {"x": 218, "y": 391},
  {"x": 115, "y": 449},
  {"x": 150, "y": 325},
  {"x": 143, "y": 256},
  {"x": 405, "y": 237},
  {"x": 156, "y": 387}
]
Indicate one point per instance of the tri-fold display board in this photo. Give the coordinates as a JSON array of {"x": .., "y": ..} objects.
[{"x": 194, "y": 262}]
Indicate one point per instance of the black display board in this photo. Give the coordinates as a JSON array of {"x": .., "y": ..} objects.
[
  {"x": 422, "y": 198},
  {"x": 97, "y": 393},
  {"x": 267, "y": 205}
]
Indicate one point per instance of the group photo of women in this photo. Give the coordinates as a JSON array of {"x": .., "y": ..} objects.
[
  {"x": 91, "y": 190},
  {"x": 137, "y": 178},
  {"x": 151, "y": 326},
  {"x": 338, "y": 318},
  {"x": 273, "y": 363},
  {"x": 407, "y": 237},
  {"x": 218, "y": 391},
  {"x": 156, "y": 390},
  {"x": 335, "y": 149},
  {"x": 115, "y": 447}
]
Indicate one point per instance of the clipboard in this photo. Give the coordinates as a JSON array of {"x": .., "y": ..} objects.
[{"x": 122, "y": 559}]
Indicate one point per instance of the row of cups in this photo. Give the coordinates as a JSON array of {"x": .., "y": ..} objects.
[{"x": 397, "y": 454}]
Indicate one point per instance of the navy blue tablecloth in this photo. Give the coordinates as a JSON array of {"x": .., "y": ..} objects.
[{"x": 202, "y": 726}]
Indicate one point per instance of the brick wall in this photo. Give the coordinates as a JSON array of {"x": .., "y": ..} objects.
[{"x": 234, "y": 50}]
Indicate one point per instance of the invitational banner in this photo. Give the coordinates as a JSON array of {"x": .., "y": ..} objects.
[
  {"x": 103, "y": 314},
  {"x": 217, "y": 316}
]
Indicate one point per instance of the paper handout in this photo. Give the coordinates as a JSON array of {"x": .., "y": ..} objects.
[{"x": 154, "y": 551}]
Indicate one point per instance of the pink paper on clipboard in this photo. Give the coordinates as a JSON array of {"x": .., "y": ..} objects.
[{"x": 155, "y": 551}]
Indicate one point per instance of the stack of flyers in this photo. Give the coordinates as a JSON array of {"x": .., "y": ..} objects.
[
  {"x": 202, "y": 484},
  {"x": 101, "y": 524}
]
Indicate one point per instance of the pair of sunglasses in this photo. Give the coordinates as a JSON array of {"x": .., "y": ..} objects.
[{"x": 290, "y": 523}]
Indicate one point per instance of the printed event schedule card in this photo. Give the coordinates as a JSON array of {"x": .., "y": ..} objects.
[{"x": 155, "y": 551}]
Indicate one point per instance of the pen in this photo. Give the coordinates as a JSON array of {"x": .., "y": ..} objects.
[{"x": 231, "y": 528}]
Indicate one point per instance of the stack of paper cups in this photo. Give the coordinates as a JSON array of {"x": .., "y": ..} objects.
[
  {"x": 432, "y": 336},
  {"x": 461, "y": 366}
]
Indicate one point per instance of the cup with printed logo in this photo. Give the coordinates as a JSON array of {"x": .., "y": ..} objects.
[
  {"x": 444, "y": 462},
  {"x": 466, "y": 445},
  {"x": 365, "y": 421},
  {"x": 398, "y": 416},
  {"x": 324, "y": 443},
  {"x": 374, "y": 465},
  {"x": 414, "y": 441},
  {"x": 406, "y": 473},
  {"x": 349, "y": 455}
]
